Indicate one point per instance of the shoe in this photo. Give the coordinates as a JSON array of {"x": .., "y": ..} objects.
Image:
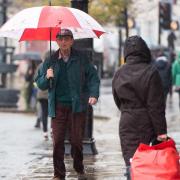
[
  {"x": 82, "y": 176},
  {"x": 46, "y": 136},
  {"x": 37, "y": 125}
]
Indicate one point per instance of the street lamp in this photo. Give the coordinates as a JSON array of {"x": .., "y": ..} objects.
[
  {"x": 80, "y": 4},
  {"x": 86, "y": 45},
  {"x": 127, "y": 23},
  {"x": 9, "y": 97},
  {"x": 3, "y": 18}
]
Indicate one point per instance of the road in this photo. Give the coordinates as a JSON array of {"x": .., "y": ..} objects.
[
  {"x": 23, "y": 149},
  {"x": 20, "y": 143}
]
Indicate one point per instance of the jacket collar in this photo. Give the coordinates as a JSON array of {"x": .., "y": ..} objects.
[{"x": 73, "y": 55}]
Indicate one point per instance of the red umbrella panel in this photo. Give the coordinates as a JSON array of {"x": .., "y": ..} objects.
[{"x": 36, "y": 24}]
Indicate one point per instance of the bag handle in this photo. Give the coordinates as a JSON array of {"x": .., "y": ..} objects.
[{"x": 154, "y": 141}]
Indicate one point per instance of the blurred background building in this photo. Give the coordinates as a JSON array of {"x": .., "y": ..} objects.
[{"x": 147, "y": 18}]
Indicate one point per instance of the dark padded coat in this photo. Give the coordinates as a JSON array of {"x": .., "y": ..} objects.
[{"x": 138, "y": 93}]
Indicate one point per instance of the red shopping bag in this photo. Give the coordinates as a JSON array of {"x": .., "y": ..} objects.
[{"x": 158, "y": 162}]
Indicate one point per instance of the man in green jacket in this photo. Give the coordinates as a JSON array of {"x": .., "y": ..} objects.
[{"x": 72, "y": 83}]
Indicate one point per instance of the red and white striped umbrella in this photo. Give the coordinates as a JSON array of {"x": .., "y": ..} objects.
[{"x": 36, "y": 23}]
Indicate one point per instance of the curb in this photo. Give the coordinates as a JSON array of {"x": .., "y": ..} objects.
[{"x": 14, "y": 110}]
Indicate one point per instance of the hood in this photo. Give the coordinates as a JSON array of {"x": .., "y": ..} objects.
[{"x": 135, "y": 46}]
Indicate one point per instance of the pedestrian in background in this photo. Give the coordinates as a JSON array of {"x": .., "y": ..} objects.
[
  {"x": 30, "y": 90},
  {"x": 176, "y": 75},
  {"x": 29, "y": 83},
  {"x": 163, "y": 66},
  {"x": 138, "y": 93},
  {"x": 172, "y": 59},
  {"x": 38, "y": 114},
  {"x": 42, "y": 97},
  {"x": 72, "y": 83},
  {"x": 42, "y": 105}
]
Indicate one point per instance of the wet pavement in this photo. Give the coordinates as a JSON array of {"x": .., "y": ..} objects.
[
  {"x": 18, "y": 139},
  {"x": 24, "y": 153}
]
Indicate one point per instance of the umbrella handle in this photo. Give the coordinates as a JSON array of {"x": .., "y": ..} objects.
[
  {"x": 51, "y": 83},
  {"x": 51, "y": 80}
]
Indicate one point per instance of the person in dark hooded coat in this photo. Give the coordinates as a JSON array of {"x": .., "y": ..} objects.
[
  {"x": 138, "y": 93},
  {"x": 164, "y": 68}
]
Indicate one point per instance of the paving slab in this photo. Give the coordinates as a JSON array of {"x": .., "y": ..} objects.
[{"x": 108, "y": 164}]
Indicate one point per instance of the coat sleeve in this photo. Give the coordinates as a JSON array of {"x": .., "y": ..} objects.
[
  {"x": 156, "y": 104},
  {"x": 92, "y": 79},
  {"x": 40, "y": 77},
  {"x": 115, "y": 96}
]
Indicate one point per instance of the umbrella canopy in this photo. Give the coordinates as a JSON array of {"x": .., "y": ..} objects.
[
  {"x": 36, "y": 23},
  {"x": 31, "y": 55}
]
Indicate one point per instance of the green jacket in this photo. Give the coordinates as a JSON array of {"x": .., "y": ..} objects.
[
  {"x": 176, "y": 71},
  {"x": 82, "y": 76}
]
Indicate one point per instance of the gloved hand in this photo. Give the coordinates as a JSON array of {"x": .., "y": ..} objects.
[{"x": 162, "y": 137}]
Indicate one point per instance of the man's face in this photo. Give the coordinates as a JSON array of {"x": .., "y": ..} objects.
[{"x": 65, "y": 42}]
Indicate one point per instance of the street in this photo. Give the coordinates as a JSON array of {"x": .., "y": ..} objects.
[
  {"x": 19, "y": 141},
  {"x": 108, "y": 34},
  {"x": 25, "y": 155}
]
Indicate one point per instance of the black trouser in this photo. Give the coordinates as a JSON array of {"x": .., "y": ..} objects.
[
  {"x": 75, "y": 124},
  {"x": 128, "y": 172},
  {"x": 28, "y": 95},
  {"x": 179, "y": 98},
  {"x": 44, "y": 113}
]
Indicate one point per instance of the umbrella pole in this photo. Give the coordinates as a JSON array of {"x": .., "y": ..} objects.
[
  {"x": 50, "y": 43},
  {"x": 50, "y": 33}
]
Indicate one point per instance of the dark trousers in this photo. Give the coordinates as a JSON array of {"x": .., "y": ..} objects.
[
  {"x": 75, "y": 124},
  {"x": 179, "y": 98},
  {"x": 44, "y": 113},
  {"x": 128, "y": 172}
]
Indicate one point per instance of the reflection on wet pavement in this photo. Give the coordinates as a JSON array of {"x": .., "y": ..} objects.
[
  {"x": 24, "y": 153},
  {"x": 107, "y": 164}
]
